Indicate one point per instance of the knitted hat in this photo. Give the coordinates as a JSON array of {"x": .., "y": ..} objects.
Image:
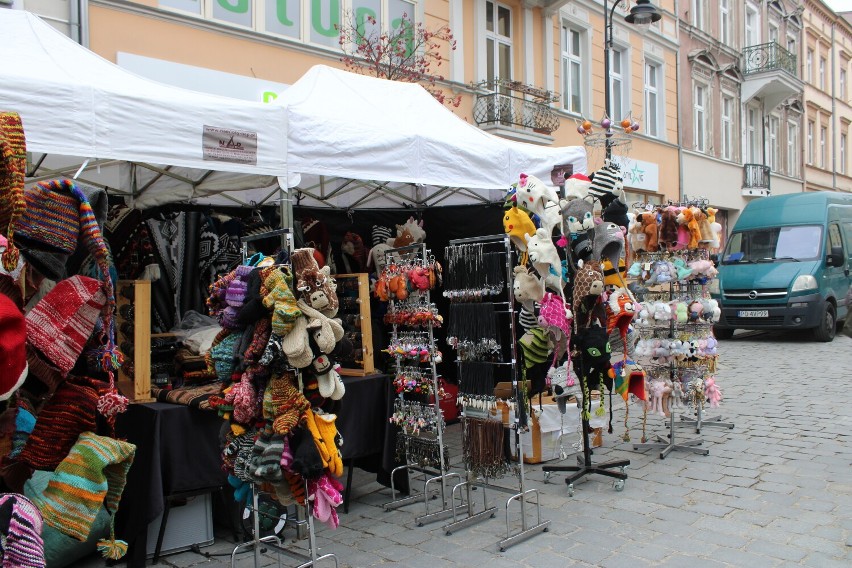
[
  {"x": 380, "y": 234},
  {"x": 620, "y": 310},
  {"x": 616, "y": 212},
  {"x": 13, "y": 166},
  {"x": 517, "y": 223},
  {"x": 71, "y": 411},
  {"x": 42, "y": 369},
  {"x": 607, "y": 183},
  {"x": 613, "y": 277},
  {"x": 60, "y": 324},
  {"x": 93, "y": 475},
  {"x": 13, "y": 354},
  {"x": 535, "y": 346},
  {"x": 20, "y": 525},
  {"x": 51, "y": 221},
  {"x": 608, "y": 243},
  {"x": 359, "y": 252},
  {"x": 588, "y": 281},
  {"x": 302, "y": 259},
  {"x": 222, "y": 353}
]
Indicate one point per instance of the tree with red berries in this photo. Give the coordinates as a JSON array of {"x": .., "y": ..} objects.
[{"x": 405, "y": 53}]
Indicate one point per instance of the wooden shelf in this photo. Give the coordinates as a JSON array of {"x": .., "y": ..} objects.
[{"x": 353, "y": 292}]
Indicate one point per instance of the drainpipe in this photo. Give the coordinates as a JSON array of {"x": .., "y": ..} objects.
[
  {"x": 833, "y": 115},
  {"x": 78, "y": 21},
  {"x": 677, "y": 105}
]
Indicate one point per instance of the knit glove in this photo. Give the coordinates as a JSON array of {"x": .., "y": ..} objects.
[
  {"x": 282, "y": 302},
  {"x": 324, "y": 431},
  {"x": 326, "y": 492},
  {"x": 267, "y": 465},
  {"x": 306, "y": 459},
  {"x": 245, "y": 399},
  {"x": 287, "y": 403}
]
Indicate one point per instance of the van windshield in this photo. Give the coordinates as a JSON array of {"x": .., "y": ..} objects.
[{"x": 776, "y": 244}]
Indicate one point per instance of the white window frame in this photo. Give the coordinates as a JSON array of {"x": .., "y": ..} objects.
[
  {"x": 498, "y": 40},
  {"x": 823, "y": 146},
  {"x": 793, "y": 45},
  {"x": 580, "y": 63},
  {"x": 727, "y": 130},
  {"x": 792, "y": 148},
  {"x": 752, "y": 135},
  {"x": 751, "y": 35},
  {"x": 654, "y": 128},
  {"x": 699, "y": 14},
  {"x": 700, "y": 98},
  {"x": 822, "y": 73},
  {"x": 619, "y": 83},
  {"x": 809, "y": 66},
  {"x": 810, "y": 142},
  {"x": 725, "y": 21},
  {"x": 774, "y": 157},
  {"x": 842, "y": 85},
  {"x": 773, "y": 32},
  {"x": 843, "y": 148}
]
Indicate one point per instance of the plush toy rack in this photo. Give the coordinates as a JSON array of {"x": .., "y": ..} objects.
[
  {"x": 425, "y": 429},
  {"x": 465, "y": 514},
  {"x": 304, "y": 526},
  {"x": 669, "y": 345}
]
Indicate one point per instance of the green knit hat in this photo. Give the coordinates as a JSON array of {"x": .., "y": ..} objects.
[
  {"x": 93, "y": 475},
  {"x": 535, "y": 346}
]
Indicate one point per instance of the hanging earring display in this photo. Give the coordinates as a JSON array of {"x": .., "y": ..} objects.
[{"x": 473, "y": 274}]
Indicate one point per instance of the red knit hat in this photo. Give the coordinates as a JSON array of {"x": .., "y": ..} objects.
[
  {"x": 60, "y": 323},
  {"x": 13, "y": 354}
]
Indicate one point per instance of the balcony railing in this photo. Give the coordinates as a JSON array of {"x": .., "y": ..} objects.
[
  {"x": 515, "y": 105},
  {"x": 768, "y": 57},
  {"x": 755, "y": 180}
]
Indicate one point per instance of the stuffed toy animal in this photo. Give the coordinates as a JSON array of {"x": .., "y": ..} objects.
[
  {"x": 655, "y": 397},
  {"x": 533, "y": 195},
  {"x": 649, "y": 229},
  {"x": 413, "y": 228},
  {"x": 681, "y": 269},
  {"x": 711, "y": 347},
  {"x": 668, "y": 228},
  {"x": 712, "y": 392},
  {"x": 635, "y": 235},
  {"x": 325, "y": 331},
  {"x": 703, "y": 270},
  {"x": 681, "y": 312},
  {"x": 695, "y": 311},
  {"x": 545, "y": 259},
  {"x": 715, "y": 227},
  {"x": 527, "y": 288},
  {"x": 517, "y": 224},
  {"x": 577, "y": 186},
  {"x": 704, "y": 228},
  {"x": 686, "y": 218},
  {"x": 662, "y": 312},
  {"x": 663, "y": 273},
  {"x": 607, "y": 184}
]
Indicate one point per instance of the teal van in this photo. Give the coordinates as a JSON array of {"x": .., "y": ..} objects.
[{"x": 786, "y": 265}]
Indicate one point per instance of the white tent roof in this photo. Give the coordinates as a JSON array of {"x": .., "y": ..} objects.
[
  {"x": 76, "y": 104},
  {"x": 347, "y": 127}
]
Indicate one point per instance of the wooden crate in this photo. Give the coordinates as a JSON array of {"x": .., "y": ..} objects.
[
  {"x": 137, "y": 388},
  {"x": 359, "y": 307}
]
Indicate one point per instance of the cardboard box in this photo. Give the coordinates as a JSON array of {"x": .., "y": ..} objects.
[{"x": 541, "y": 443}]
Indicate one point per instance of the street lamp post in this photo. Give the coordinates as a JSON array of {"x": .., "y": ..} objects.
[{"x": 642, "y": 14}]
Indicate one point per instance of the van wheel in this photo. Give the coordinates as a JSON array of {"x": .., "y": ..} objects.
[
  {"x": 723, "y": 332},
  {"x": 828, "y": 328}
]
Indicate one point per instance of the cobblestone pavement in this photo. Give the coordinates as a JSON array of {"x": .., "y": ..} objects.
[{"x": 774, "y": 491}]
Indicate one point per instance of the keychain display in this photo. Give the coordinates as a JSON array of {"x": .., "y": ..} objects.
[
  {"x": 472, "y": 330},
  {"x": 414, "y": 314},
  {"x": 414, "y": 346},
  {"x": 472, "y": 273}
]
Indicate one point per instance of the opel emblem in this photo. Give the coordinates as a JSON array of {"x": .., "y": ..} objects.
[{"x": 752, "y": 295}]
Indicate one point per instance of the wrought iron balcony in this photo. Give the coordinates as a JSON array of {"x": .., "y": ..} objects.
[
  {"x": 768, "y": 57},
  {"x": 515, "y": 105},
  {"x": 755, "y": 180}
]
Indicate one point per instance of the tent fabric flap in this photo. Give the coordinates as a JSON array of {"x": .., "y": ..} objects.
[{"x": 74, "y": 103}]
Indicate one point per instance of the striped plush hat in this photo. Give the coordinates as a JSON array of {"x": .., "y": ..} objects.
[
  {"x": 93, "y": 475},
  {"x": 607, "y": 184},
  {"x": 20, "y": 525}
]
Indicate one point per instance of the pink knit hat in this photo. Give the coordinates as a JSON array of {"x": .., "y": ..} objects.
[{"x": 61, "y": 323}]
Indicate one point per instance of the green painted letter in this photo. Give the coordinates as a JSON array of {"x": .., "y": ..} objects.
[
  {"x": 281, "y": 12},
  {"x": 334, "y": 17},
  {"x": 236, "y": 6}
]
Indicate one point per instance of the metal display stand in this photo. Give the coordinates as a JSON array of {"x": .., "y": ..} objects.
[
  {"x": 699, "y": 421},
  {"x": 419, "y": 253},
  {"x": 466, "y": 515},
  {"x": 260, "y": 544}
]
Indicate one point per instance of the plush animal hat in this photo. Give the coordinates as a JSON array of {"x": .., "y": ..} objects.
[
  {"x": 533, "y": 194},
  {"x": 607, "y": 184},
  {"x": 621, "y": 308},
  {"x": 517, "y": 223},
  {"x": 608, "y": 243},
  {"x": 577, "y": 186}
]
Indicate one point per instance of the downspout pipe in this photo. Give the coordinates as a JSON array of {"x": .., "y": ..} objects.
[
  {"x": 678, "y": 110},
  {"x": 833, "y": 111}
]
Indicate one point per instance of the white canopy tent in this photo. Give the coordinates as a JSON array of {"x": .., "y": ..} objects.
[
  {"x": 79, "y": 109},
  {"x": 359, "y": 141}
]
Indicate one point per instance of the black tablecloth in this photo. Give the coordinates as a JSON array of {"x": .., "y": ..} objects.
[{"x": 177, "y": 450}]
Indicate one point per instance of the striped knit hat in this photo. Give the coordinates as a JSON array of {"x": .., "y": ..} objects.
[
  {"x": 605, "y": 182},
  {"x": 13, "y": 166},
  {"x": 380, "y": 234},
  {"x": 68, "y": 413},
  {"x": 60, "y": 324},
  {"x": 20, "y": 525},
  {"x": 93, "y": 475}
]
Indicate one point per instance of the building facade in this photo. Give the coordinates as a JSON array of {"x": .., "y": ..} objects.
[
  {"x": 740, "y": 101},
  {"x": 529, "y": 70},
  {"x": 827, "y": 47}
]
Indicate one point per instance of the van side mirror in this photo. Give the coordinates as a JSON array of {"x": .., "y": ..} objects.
[{"x": 835, "y": 257}]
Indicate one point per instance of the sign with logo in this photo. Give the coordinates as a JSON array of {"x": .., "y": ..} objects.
[
  {"x": 638, "y": 174},
  {"x": 227, "y": 145}
]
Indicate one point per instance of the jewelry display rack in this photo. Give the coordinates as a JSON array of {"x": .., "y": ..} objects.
[
  {"x": 685, "y": 291},
  {"x": 465, "y": 514},
  {"x": 419, "y": 254},
  {"x": 304, "y": 527}
]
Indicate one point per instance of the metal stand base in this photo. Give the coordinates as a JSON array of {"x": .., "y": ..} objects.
[
  {"x": 669, "y": 445},
  {"x": 585, "y": 466},
  {"x": 445, "y": 512},
  {"x": 395, "y": 502},
  {"x": 472, "y": 518},
  {"x": 527, "y": 531},
  {"x": 698, "y": 422}
]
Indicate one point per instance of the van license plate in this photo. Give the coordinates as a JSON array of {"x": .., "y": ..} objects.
[{"x": 753, "y": 313}]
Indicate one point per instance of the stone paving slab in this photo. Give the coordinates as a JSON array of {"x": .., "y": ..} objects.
[{"x": 774, "y": 491}]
